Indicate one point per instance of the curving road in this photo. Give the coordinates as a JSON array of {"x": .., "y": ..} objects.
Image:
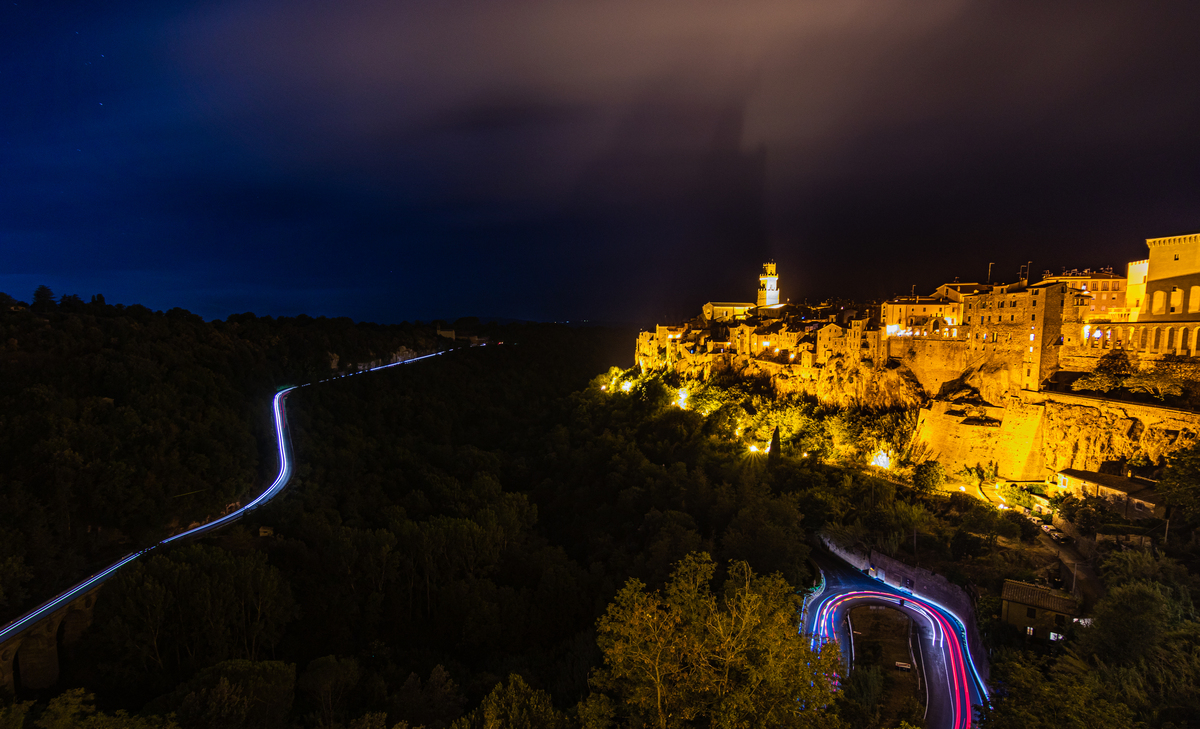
[
  {"x": 281, "y": 481},
  {"x": 953, "y": 686}
]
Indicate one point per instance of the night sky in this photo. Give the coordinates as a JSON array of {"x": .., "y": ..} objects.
[{"x": 581, "y": 159}]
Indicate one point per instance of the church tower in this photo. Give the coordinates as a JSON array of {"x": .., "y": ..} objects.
[{"x": 768, "y": 285}]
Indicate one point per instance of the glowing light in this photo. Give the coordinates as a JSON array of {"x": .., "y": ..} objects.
[
  {"x": 604, "y": 387},
  {"x": 754, "y": 449},
  {"x": 776, "y": 350},
  {"x": 682, "y": 401},
  {"x": 626, "y": 386},
  {"x": 882, "y": 460},
  {"x": 806, "y": 454},
  {"x": 792, "y": 356},
  {"x": 962, "y": 488}
]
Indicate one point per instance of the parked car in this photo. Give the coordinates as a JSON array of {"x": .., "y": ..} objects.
[
  {"x": 1060, "y": 537},
  {"x": 1047, "y": 528}
]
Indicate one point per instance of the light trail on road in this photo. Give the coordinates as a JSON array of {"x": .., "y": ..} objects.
[
  {"x": 279, "y": 484},
  {"x": 959, "y": 687}
]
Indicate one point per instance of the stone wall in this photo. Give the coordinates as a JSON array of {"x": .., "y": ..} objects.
[
  {"x": 1039, "y": 434},
  {"x": 960, "y": 436},
  {"x": 1085, "y": 432}
]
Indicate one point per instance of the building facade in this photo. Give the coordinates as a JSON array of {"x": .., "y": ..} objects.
[{"x": 1039, "y": 612}]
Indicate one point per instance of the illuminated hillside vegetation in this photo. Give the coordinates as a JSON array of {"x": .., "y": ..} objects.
[{"x": 490, "y": 539}]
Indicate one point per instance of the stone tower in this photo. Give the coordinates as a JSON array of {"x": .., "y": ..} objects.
[{"x": 768, "y": 285}]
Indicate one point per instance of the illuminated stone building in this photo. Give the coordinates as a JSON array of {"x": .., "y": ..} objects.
[
  {"x": 1162, "y": 312},
  {"x": 1109, "y": 291},
  {"x": 768, "y": 285},
  {"x": 725, "y": 311}
]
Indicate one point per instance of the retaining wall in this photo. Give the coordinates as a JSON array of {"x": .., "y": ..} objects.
[{"x": 925, "y": 584}]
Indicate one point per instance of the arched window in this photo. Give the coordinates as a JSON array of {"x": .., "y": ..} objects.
[
  {"x": 1158, "y": 304},
  {"x": 1170, "y": 338},
  {"x": 1176, "y": 300},
  {"x": 1194, "y": 299},
  {"x": 1145, "y": 333},
  {"x": 1157, "y": 338}
]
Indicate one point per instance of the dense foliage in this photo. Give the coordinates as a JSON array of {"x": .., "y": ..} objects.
[
  {"x": 119, "y": 424},
  {"x": 502, "y": 538}
]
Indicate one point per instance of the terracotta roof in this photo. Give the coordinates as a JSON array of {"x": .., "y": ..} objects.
[
  {"x": 1134, "y": 488},
  {"x": 1039, "y": 597}
]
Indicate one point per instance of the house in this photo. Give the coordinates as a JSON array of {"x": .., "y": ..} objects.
[
  {"x": 1040, "y": 612},
  {"x": 724, "y": 311},
  {"x": 1132, "y": 498}
]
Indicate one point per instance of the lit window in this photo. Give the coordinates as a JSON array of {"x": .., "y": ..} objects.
[{"x": 1029, "y": 630}]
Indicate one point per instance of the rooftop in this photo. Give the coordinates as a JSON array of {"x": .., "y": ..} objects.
[
  {"x": 1039, "y": 597},
  {"x": 1136, "y": 488}
]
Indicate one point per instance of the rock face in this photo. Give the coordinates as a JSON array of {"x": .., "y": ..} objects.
[
  {"x": 839, "y": 383},
  {"x": 1087, "y": 433},
  {"x": 1034, "y": 435}
]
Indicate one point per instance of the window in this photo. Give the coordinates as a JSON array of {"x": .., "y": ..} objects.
[
  {"x": 1104, "y": 286},
  {"x": 1029, "y": 631},
  {"x": 1033, "y": 317},
  {"x": 1176, "y": 299},
  {"x": 1030, "y": 612},
  {"x": 1176, "y": 256},
  {"x": 1055, "y": 636},
  {"x": 1116, "y": 285},
  {"x": 1159, "y": 302},
  {"x": 1194, "y": 299},
  {"x": 1060, "y": 620}
]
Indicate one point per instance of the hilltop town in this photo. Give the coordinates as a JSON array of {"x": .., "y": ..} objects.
[{"x": 1082, "y": 372}]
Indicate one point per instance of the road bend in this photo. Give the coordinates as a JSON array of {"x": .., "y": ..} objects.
[{"x": 954, "y": 688}]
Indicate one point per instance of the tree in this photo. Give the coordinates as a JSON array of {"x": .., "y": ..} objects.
[
  {"x": 235, "y": 694},
  {"x": 43, "y": 298},
  {"x": 1180, "y": 482},
  {"x": 1158, "y": 384},
  {"x": 515, "y": 705},
  {"x": 76, "y": 709},
  {"x": 929, "y": 477},
  {"x": 1040, "y": 695},
  {"x": 328, "y": 681},
  {"x": 1129, "y": 622},
  {"x": 732, "y": 658}
]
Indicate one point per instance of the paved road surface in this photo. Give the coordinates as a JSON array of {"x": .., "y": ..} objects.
[{"x": 953, "y": 685}]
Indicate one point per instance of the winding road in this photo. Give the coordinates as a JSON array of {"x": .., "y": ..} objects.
[
  {"x": 283, "y": 439},
  {"x": 953, "y": 686}
]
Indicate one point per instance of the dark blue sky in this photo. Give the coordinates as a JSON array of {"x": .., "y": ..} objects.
[{"x": 563, "y": 160}]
